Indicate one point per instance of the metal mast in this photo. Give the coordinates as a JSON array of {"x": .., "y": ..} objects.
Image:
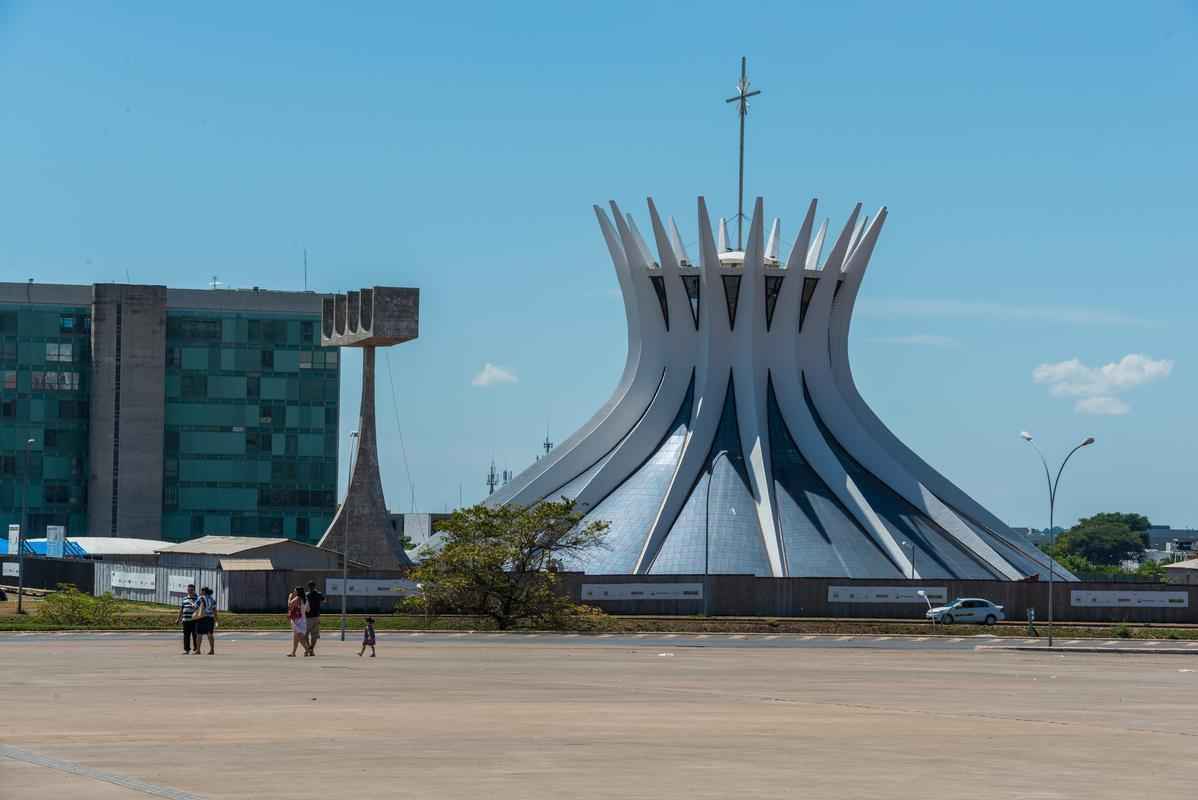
[{"x": 742, "y": 99}]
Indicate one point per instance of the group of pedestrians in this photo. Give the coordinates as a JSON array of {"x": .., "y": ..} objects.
[
  {"x": 303, "y": 612},
  {"x": 197, "y": 612}
]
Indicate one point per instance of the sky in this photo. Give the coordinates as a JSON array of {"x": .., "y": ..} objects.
[{"x": 1038, "y": 270}]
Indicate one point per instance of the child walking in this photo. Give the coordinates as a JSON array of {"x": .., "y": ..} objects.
[{"x": 368, "y": 637}]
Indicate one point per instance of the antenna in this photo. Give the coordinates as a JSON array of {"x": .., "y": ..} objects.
[
  {"x": 742, "y": 100},
  {"x": 305, "y": 269},
  {"x": 492, "y": 478},
  {"x": 548, "y": 445},
  {"x": 214, "y": 283}
]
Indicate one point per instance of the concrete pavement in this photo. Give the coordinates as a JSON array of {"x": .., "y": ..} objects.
[{"x": 583, "y": 717}]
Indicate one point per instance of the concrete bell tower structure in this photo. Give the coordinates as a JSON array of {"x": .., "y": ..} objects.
[{"x": 368, "y": 318}]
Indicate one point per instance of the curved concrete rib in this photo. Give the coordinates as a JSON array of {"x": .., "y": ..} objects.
[
  {"x": 749, "y": 374},
  {"x": 680, "y": 344},
  {"x": 712, "y": 368},
  {"x": 789, "y": 350},
  {"x": 642, "y": 374},
  {"x": 854, "y": 439},
  {"x": 929, "y": 478}
]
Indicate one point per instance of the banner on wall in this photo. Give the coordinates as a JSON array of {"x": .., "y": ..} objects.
[
  {"x": 642, "y": 591},
  {"x": 177, "y": 584},
  {"x": 56, "y": 536},
  {"x": 887, "y": 594},
  {"x": 372, "y": 587},
  {"x": 1116, "y": 599},
  {"x": 14, "y": 539},
  {"x": 12, "y": 569},
  {"x": 133, "y": 580}
]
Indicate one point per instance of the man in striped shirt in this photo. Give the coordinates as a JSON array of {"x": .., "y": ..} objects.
[{"x": 187, "y": 611}]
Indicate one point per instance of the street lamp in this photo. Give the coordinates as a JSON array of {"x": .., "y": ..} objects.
[
  {"x": 21, "y": 533},
  {"x": 1052, "y": 501},
  {"x": 912, "y": 546},
  {"x": 353, "y": 441},
  {"x": 707, "y": 533}
]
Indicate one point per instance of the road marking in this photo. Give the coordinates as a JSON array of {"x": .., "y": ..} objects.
[
  {"x": 883, "y": 639},
  {"x": 262, "y": 633},
  {"x": 88, "y": 772},
  {"x": 571, "y": 635},
  {"x": 806, "y": 638},
  {"x": 920, "y": 639},
  {"x": 844, "y": 639},
  {"x": 671, "y": 636},
  {"x": 702, "y": 636},
  {"x": 608, "y": 636},
  {"x": 1107, "y": 644},
  {"x": 769, "y": 638},
  {"x": 1031, "y": 641},
  {"x": 956, "y": 639},
  {"x": 641, "y": 635},
  {"x": 737, "y": 636},
  {"x": 1192, "y": 644},
  {"x": 1074, "y": 641}
]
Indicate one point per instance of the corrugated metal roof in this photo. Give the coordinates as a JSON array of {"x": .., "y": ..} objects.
[
  {"x": 37, "y": 547},
  {"x": 117, "y": 545},
  {"x": 1191, "y": 564},
  {"x": 246, "y": 564},
  {"x": 223, "y": 545}
]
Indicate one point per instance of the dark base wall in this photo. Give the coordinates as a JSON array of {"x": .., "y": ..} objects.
[
  {"x": 266, "y": 592},
  {"x": 48, "y": 573},
  {"x": 748, "y": 596}
]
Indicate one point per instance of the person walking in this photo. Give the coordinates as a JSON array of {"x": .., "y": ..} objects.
[
  {"x": 206, "y": 620},
  {"x": 368, "y": 637},
  {"x": 187, "y": 610},
  {"x": 312, "y": 618},
  {"x": 296, "y": 606}
]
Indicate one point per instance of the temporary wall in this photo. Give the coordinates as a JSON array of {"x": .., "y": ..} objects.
[
  {"x": 48, "y": 573},
  {"x": 165, "y": 585},
  {"x": 745, "y": 595}
]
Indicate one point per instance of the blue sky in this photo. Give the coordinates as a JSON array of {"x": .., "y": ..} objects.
[{"x": 1037, "y": 159}]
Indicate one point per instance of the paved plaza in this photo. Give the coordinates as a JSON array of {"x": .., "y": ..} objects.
[{"x": 126, "y": 716}]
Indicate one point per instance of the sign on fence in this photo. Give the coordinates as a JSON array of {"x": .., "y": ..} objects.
[
  {"x": 372, "y": 587},
  {"x": 642, "y": 591},
  {"x": 14, "y": 540},
  {"x": 1117, "y": 599},
  {"x": 134, "y": 580},
  {"x": 177, "y": 584},
  {"x": 55, "y": 538},
  {"x": 12, "y": 569},
  {"x": 886, "y": 594}
]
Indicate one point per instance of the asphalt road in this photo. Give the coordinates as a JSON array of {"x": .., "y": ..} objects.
[{"x": 749, "y": 641}]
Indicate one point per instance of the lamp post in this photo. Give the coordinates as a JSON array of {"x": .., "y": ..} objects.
[
  {"x": 353, "y": 441},
  {"x": 21, "y": 533},
  {"x": 1052, "y": 501},
  {"x": 707, "y": 534},
  {"x": 912, "y": 546}
]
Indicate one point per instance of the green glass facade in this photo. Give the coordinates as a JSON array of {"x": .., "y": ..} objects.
[
  {"x": 44, "y": 367},
  {"x": 251, "y": 425}
]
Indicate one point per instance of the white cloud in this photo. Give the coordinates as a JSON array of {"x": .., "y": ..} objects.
[
  {"x": 920, "y": 340},
  {"x": 1109, "y": 406},
  {"x": 1074, "y": 315},
  {"x": 490, "y": 375},
  {"x": 1096, "y": 386}
]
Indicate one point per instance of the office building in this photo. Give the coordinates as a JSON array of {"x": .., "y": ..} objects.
[{"x": 149, "y": 412}]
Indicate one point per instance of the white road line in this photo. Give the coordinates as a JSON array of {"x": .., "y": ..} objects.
[
  {"x": 671, "y": 636},
  {"x": 608, "y": 636},
  {"x": 641, "y": 635},
  {"x": 1074, "y": 641},
  {"x": 571, "y": 635},
  {"x": 920, "y": 639},
  {"x": 1192, "y": 644},
  {"x": 702, "y": 636},
  {"x": 883, "y": 639},
  {"x": 262, "y": 633},
  {"x": 132, "y": 784},
  {"x": 806, "y": 638},
  {"x": 1031, "y": 641},
  {"x": 844, "y": 639},
  {"x": 956, "y": 639},
  {"x": 737, "y": 636},
  {"x": 769, "y": 638}
]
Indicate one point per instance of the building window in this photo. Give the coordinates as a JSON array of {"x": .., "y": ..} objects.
[
  {"x": 268, "y": 359},
  {"x": 173, "y": 358},
  {"x": 10, "y": 379},
  {"x": 9, "y": 350},
  {"x": 37, "y": 381},
  {"x": 8, "y": 408},
  {"x": 50, "y": 438},
  {"x": 195, "y": 385},
  {"x": 307, "y": 332},
  {"x": 66, "y": 323},
  {"x": 330, "y": 359},
  {"x": 56, "y": 493},
  {"x": 197, "y": 524},
  {"x": 305, "y": 359}
]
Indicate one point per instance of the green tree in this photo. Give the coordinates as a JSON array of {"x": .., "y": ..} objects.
[
  {"x": 1105, "y": 539},
  {"x": 1151, "y": 570},
  {"x": 498, "y": 562}
]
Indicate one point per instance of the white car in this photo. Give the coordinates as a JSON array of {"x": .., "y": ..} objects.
[{"x": 967, "y": 609}]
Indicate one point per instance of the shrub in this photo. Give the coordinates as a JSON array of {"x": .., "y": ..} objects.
[
  {"x": 69, "y": 606},
  {"x": 1122, "y": 630}
]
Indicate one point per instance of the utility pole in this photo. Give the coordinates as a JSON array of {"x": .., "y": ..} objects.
[{"x": 21, "y": 534}]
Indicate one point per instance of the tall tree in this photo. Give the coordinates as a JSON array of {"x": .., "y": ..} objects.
[
  {"x": 1107, "y": 538},
  {"x": 499, "y": 562}
]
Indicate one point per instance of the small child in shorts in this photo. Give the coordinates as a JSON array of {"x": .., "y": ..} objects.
[{"x": 368, "y": 637}]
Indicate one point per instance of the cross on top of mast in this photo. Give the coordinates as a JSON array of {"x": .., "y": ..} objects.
[{"x": 742, "y": 100}]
